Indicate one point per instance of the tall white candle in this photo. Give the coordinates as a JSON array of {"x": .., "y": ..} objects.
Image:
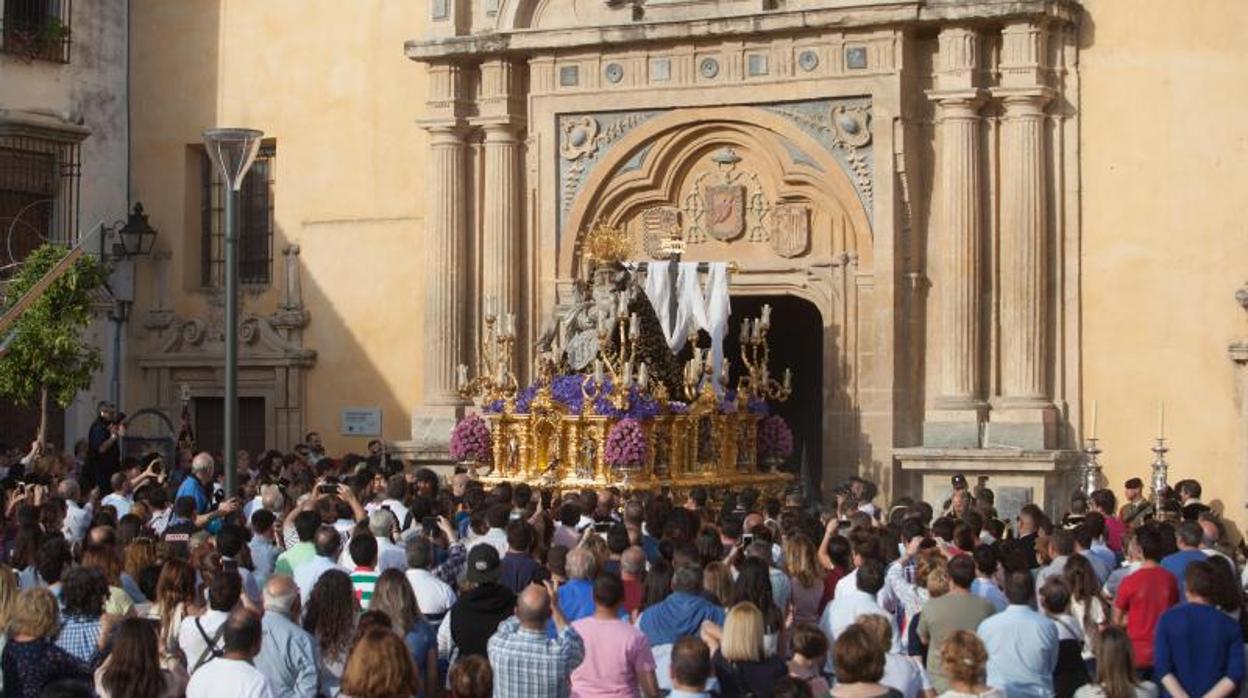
[
  {"x": 788, "y": 379},
  {"x": 643, "y": 376},
  {"x": 461, "y": 373},
  {"x": 1094, "y": 415},
  {"x": 1161, "y": 421},
  {"x": 491, "y": 307},
  {"x": 745, "y": 332},
  {"x": 634, "y": 327},
  {"x": 628, "y": 373},
  {"x": 766, "y": 315},
  {"x": 598, "y": 371}
]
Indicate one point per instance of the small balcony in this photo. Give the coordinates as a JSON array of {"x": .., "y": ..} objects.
[{"x": 36, "y": 30}]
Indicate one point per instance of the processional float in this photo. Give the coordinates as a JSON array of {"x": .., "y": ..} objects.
[{"x": 611, "y": 405}]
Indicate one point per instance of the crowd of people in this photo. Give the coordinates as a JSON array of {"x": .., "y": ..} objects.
[{"x": 364, "y": 577}]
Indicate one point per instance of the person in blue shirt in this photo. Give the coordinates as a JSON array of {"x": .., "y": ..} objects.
[
  {"x": 682, "y": 612},
  {"x": 199, "y": 487},
  {"x": 1022, "y": 644},
  {"x": 1188, "y": 536},
  {"x": 1198, "y": 650}
]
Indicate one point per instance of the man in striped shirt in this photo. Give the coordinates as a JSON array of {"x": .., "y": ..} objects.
[{"x": 363, "y": 548}]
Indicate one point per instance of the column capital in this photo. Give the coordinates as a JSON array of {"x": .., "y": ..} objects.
[
  {"x": 1024, "y": 101},
  {"x": 955, "y": 103},
  {"x": 445, "y": 131},
  {"x": 500, "y": 129}
]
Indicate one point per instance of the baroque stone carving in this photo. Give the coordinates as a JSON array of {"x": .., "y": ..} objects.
[
  {"x": 790, "y": 230},
  {"x": 845, "y": 129},
  {"x": 725, "y": 210},
  {"x": 583, "y": 140},
  {"x": 657, "y": 224}
]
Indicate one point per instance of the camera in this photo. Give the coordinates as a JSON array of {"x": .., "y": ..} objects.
[
  {"x": 602, "y": 526},
  {"x": 327, "y": 488}
]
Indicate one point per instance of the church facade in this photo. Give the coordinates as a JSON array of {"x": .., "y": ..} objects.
[{"x": 927, "y": 190}]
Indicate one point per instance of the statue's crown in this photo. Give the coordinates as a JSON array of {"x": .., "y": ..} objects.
[{"x": 607, "y": 243}]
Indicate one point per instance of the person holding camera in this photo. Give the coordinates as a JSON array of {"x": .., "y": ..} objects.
[
  {"x": 199, "y": 487},
  {"x": 104, "y": 448}
]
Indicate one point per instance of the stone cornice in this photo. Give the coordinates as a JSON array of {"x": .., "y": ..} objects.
[
  {"x": 497, "y": 45},
  {"x": 49, "y": 127}
]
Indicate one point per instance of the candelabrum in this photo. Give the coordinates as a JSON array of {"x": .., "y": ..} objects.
[
  {"x": 496, "y": 378},
  {"x": 755, "y": 354},
  {"x": 1160, "y": 469},
  {"x": 621, "y": 364},
  {"x": 699, "y": 379},
  {"x": 1091, "y": 476}
]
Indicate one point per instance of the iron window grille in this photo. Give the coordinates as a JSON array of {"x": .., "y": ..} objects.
[
  {"x": 36, "y": 29},
  {"x": 255, "y": 212},
  {"x": 39, "y": 190}
]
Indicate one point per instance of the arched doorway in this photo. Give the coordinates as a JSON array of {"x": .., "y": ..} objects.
[{"x": 796, "y": 344}]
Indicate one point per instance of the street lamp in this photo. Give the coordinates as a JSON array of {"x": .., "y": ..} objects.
[
  {"x": 136, "y": 237},
  {"x": 232, "y": 151}
]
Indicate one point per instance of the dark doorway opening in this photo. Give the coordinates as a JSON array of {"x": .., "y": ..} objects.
[
  {"x": 796, "y": 341},
  {"x": 210, "y": 424}
]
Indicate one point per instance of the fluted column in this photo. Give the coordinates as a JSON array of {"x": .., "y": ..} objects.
[
  {"x": 500, "y": 234},
  {"x": 446, "y": 277},
  {"x": 956, "y": 404},
  {"x": 1023, "y": 413},
  {"x": 1024, "y": 253}
]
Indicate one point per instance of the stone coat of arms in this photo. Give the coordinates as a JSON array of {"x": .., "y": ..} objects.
[
  {"x": 725, "y": 211},
  {"x": 790, "y": 230}
]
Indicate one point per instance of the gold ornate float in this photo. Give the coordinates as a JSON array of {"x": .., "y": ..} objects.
[{"x": 557, "y": 433}]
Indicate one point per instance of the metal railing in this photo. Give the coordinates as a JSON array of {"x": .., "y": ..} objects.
[{"x": 36, "y": 29}]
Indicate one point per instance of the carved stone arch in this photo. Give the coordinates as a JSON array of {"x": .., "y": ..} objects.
[
  {"x": 515, "y": 14},
  {"x": 669, "y": 144}
]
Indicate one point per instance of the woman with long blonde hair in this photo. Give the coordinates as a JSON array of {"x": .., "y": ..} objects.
[
  {"x": 738, "y": 658},
  {"x": 1115, "y": 672},
  {"x": 806, "y": 574}
]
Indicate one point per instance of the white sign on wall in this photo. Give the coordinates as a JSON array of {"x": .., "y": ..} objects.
[{"x": 361, "y": 421}]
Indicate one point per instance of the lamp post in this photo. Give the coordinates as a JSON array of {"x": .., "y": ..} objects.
[
  {"x": 135, "y": 239},
  {"x": 232, "y": 151}
]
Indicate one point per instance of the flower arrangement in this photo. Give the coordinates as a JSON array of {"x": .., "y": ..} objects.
[
  {"x": 775, "y": 439},
  {"x": 470, "y": 440},
  {"x": 626, "y": 444}
]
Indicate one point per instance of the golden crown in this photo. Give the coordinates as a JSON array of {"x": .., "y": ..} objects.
[{"x": 607, "y": 243}]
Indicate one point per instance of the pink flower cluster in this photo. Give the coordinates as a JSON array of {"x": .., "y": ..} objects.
[
  {"x": 775, "y": 439},
  {"x": 626, "y": 444},
  {"x": 470, "y": 440}
]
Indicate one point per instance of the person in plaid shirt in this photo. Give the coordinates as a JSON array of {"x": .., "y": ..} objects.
[
  {"x": 83, "y": 592},
  {"x": 525, "y": 661}
]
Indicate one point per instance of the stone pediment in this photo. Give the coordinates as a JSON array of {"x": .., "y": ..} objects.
[{"x": 200, "y": 340}]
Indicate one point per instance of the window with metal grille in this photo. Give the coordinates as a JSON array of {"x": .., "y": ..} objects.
[
  {"x": 36, "y": 29},
  {"x": 255, "y": 222},
  {"x": 38, "y": 196}
]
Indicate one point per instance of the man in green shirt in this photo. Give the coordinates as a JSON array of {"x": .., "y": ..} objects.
[
  {"x": 306, "y": 523},
  {"x": 957, "y": 610}
]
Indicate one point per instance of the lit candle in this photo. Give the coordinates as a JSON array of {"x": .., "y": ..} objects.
[
  {"x": 643, "y": 376},
  {"x": 502, "y": 373},
  {"x": 756, "y": 331},
  {"x": 1161, "y": 421},
  {"x": 788, "y": 379},
  {"x": 598, "y": 372},
  {"x": 628, "y": 373},
  {"x": 766, "y": 315},
  {"x": 461, "y": 374},
  {"x": 1094, "y": 411},
  {"x": 745, "y": 332},
  {"x": 634, "y": 327}
]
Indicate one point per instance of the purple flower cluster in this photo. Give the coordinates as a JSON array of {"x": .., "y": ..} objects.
[
  {"x": 775, "y": 439},
  {"x": 470, "y": 439},
  {"x": 758, "y": 406},
  {"x": 626, "y": 444},
  {"x": 677, "y": 407}
]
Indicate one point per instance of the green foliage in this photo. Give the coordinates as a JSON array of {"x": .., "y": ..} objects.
[{"x": 48, "y": 350}]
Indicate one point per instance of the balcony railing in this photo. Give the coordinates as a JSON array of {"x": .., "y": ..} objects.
[{"x": 36, "y": 29}]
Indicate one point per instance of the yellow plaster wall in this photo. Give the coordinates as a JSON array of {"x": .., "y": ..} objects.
[
  {"x": 1165, "y": 234},
  {"x": 329, "y": 82}
]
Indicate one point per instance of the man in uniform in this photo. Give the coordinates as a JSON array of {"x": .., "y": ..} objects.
[{"x": 1137, "y": 509}]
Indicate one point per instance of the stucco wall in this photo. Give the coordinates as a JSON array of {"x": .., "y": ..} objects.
[
  {"x": 1165, "y": 234},
  {"x": 91, "y": 90},
  {"x": 328, "y": 81}
]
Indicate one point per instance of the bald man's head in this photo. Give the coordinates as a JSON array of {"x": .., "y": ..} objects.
[
  {"x": 327, "y": 542},
  {"x": 533, "y": 607},
  {"x": 281, "y": 595}
]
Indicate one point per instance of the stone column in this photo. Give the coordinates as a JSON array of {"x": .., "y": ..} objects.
[
  {"x": 446, "y": 297},
  {"x": 1023, "y": 415},
  {"x": 956, "y": 406},
  {"x": 502, "y": 251}
]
